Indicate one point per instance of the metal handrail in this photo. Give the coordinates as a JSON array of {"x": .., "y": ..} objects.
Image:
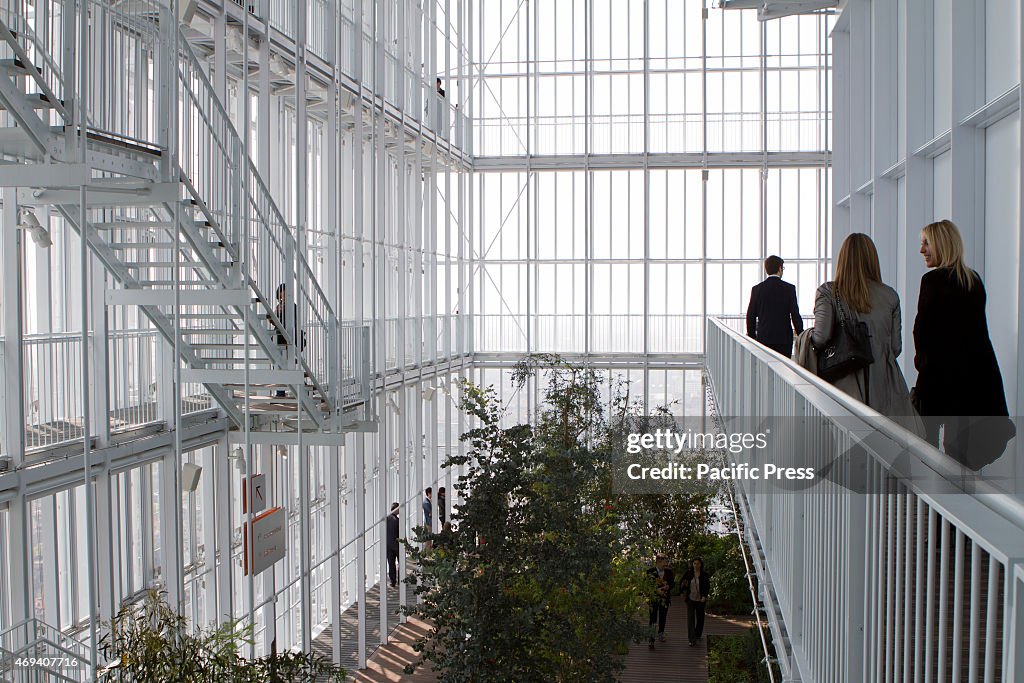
[
  {"x": 883, "y": 548},
  {"x": 1007, "y": 506},
  {"x": 24, "y": 29},
  {"x": 313, "y": 304}
]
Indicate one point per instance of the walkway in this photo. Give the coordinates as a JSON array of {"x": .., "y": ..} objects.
[
  {"x": 670, "y": 662},
  {"x": 674, "y": 661},
  {"x": 350, "y": 630},
  {"x": 388, "y": 662}
]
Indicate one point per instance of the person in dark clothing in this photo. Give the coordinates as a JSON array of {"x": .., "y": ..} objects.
[
  {"x": 442, "y": 508},
  {"x": 959, "y": 384},
  {"x": 281, "y": 311},
  {"x": 695, "y": 586},
  {"x": 663, "y": 579},
  {"x": 288, "y": 318},
  {"x": 773, "y": 315},
  {"x": 428, "y": 517},
  {"x": 392, "y": 547}
]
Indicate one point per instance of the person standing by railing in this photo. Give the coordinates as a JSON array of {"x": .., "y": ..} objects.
[
  {"x": 858, "y": 295},
  {"x": 773, "y": 315},
  {"x": 959, "y": 384}
]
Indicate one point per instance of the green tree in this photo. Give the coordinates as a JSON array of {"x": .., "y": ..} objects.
[
  {"x": 534, "y": 584},
  {"x": 723, "y": 560}
]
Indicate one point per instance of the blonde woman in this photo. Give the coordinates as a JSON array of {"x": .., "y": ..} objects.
[
  {"x": 958, "y": 374},
  {"x": 858, "y": 288}
]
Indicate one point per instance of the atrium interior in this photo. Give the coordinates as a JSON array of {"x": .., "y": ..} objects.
[{"x": 251, "y": 251}]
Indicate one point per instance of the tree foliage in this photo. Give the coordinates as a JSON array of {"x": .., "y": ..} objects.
[
  {"x": 730, "y": 592},
  {"x": 543, "y": 577},
  {"x": 738, "y": 659},
  {"x": 535, "y": 583},
  {"x": 153, "y": 642}
]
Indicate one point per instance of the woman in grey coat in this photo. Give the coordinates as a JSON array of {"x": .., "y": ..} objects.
[{"x": 865, "y": 298}]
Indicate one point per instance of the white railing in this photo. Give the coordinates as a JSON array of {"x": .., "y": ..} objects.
[
  {"x": 355, "y": 367},
  {"x": 40, "y": 41},
  {"x": 52, "y": 384},
  {"x": 62, "y": 657},
  {"x": 124, "y": 47},
  {"x": 134, "y": 364},
  {"x": 905, "y": 577},
  {"x": 52, "y": 389},
  {"x": 272, "y": 258}
]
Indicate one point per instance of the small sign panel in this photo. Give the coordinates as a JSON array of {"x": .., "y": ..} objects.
[
  {"x": 266, "y": 542},
  {"x": 256, "y": 491}
]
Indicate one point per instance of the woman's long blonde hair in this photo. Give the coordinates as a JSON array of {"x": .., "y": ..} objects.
[
  {"x": 856, "y": 268},
  {"x": 948, "y": 249}
]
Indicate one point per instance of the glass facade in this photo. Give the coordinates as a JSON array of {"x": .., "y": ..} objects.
[
  {"x": 596, "y": 180},
  {"x": 638, "y": 161}
]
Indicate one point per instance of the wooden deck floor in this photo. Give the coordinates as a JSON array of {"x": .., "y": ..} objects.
[
  {"x": 350, "y": 630},
  {"x": 389, "y": 661},
  {"x": 673, "y": 661}
]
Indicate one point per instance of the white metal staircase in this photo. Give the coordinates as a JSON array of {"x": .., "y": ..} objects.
[
  {"x": 176, "y": 212},
  {"x": 35, "y": 652}
]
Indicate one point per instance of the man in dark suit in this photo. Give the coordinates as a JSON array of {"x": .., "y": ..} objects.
[
  {"x": 773, "y": 316},
  {"x": 393, "y": 545}
]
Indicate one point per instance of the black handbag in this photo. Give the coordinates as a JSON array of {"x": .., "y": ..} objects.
[{"x": 849, "y": 349}]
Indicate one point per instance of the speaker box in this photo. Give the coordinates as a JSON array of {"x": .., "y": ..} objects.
[{"x": 190, "y": 477}]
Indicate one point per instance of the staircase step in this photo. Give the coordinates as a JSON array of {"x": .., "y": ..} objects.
[
  {"x": 170, "y": 264},
  {"x": 170, "y": 283},
  {"x": 158, "y": 245},
  {"x": 36, "y": 100},
  {"x": 141, "y": 245},
  {"x": 142, "y": 225},
  {"x": 207, "y": 316},
  {"x": 218, "y": 345},
  {"x": 239, "y": 364},
  {"x": 196, "y": 331},
  {"x": 16, "y": 66}
]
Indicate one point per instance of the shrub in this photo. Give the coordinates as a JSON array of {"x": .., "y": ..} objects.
[
  {"x": 152, "y": 642},
  {"x": 737, "y": 659}
]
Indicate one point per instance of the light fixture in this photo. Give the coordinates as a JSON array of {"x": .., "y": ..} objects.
[
  {"x": 234, "y": 41},
  {"x": 279, "y": 67},
  {"x": 428, "y": 393},
  {"x": 27, "y": 221},
  {"x": 238, "y": 455}
]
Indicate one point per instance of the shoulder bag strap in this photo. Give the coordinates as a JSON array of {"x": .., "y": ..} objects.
[
  {"x": 839, "y": 305},
  {"x": 842, "y": 323}
]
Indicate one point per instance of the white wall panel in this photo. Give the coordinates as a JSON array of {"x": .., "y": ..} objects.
[
  {"x": 1002, "y": 46},
  {"x": 943, "y": 184},
  {"x": 1002, "y": 244},
  {"x": 942, "y": 65}
]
